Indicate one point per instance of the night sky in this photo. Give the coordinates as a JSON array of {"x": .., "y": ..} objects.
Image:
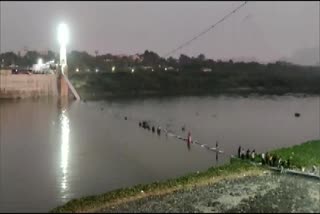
[{"x": 264, "y": 30}]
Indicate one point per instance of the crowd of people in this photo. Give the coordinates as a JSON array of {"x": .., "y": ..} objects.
[
  {"x": 266, "y": 159},
  {"x": 246, "y": 155}
]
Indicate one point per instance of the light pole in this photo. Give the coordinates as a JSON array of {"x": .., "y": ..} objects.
[{"x": 63, "y": 38}]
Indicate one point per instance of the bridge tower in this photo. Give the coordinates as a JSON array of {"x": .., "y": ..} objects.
[{"x": 63, "y": 38}]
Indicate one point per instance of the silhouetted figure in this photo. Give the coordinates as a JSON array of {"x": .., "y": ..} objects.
[
  {"x": 159, "y": 130},
  {"x": 139, "y": 124},
  {"x": 280, "y": 163},
  {"x": 263, "y": 158},
  {"x": 242, "y": 154},
  {"x": 239, "y": 152},
  {"x": 189, "y": 140},
  {"x": 153, "y": 129},
  {"x": 267, "y": 158},
  {"x": 183, "y": 128},
  {"x": 248, "y": 154},
  {"x": 253, "y": 154},
  {"x": 145, "y": 125},
  {"x": 274, "y": 160},
  {"x": 270, "y": 160},
  {"x": 125, "y": 118}
]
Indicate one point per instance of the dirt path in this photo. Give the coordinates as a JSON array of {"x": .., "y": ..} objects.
[{"x": 271, "y": 192}]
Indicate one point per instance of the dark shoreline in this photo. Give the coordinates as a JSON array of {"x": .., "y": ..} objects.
[{"x": 234, "y": 93}]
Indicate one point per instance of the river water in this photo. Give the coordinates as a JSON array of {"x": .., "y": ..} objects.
[{"x": 51, "y": 151}]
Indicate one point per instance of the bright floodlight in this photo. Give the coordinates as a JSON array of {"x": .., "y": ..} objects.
[{"x": 63, "y": 34}]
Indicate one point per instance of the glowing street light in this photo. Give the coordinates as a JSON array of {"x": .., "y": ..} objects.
[
  {"x": 97, "y": 70},
  {"x": 63, "y": 34},
  {"x": 113, "y": 68},
  {"x": 132, "y": 70},
  {"x": 77, "y": 70},
  {"x": 63, "y": 38}
]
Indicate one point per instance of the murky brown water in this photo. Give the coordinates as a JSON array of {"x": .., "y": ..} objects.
[{"x": 51, "y": 152}]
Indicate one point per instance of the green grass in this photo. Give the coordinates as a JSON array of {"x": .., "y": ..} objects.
[
  {"x": 91, "y": 202},
  {"x": 303, "y": 155}
]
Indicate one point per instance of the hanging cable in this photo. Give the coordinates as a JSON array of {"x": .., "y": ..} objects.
[{"x": 204, "y": 32}]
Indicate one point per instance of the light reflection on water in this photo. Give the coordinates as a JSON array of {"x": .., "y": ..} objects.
[{"x": 65, "y": 130}]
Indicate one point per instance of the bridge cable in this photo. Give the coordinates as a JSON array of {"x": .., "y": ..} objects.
[{"x": 205, "y": 31}]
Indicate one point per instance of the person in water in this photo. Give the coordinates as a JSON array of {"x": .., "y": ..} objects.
[
  {"x": 189, "y": 139},
  {"x": 159, "y": 130}
]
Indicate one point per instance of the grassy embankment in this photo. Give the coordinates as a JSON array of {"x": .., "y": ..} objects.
[{"x": 306, "y": 154}]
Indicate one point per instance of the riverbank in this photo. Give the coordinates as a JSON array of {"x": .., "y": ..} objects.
[
  {"x": 196, "y": 186},
  {"x": 121, "y": 84},
  {"x": 100, "y": 95}
]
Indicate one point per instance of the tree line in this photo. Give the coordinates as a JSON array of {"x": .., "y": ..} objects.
[{"x": 151, "y": 73}]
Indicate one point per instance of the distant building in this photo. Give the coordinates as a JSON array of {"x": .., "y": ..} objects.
[{"x": 206, "y": 69}]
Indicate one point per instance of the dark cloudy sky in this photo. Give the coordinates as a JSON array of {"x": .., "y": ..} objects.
[{"x": 264, "y": 30}]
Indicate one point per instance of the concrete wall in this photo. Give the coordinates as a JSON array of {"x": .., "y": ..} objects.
[{"x": 24, "y": 85}]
